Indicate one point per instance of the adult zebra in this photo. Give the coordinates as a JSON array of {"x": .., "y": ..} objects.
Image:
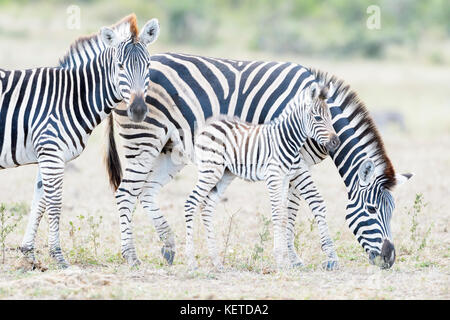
[
  {"x": 47, "y": 114},
  {"x": 185, "y": 90}
]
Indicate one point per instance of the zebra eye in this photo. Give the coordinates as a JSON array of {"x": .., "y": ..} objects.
[
  {"x": 371, "y": 209},
  {"x": 318, "y": 118},
  {"x": 120, "y": 66}
]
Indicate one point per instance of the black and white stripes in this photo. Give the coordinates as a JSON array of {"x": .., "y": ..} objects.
[
  {"x": 47, "y": 114},
  {"x": 186, "y": 90},
  {"x": 267, "y": 152}
]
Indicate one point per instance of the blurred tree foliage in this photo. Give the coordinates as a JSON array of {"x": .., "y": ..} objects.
[{"x": 322, "y": 27}]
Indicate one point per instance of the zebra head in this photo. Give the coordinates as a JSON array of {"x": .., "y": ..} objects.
[
  {"x": 370, "y": 210},
  {"x": 319, "y": 124},
  {"x": 132, "y": 65}
]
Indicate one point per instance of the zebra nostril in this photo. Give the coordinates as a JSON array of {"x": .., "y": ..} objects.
[
  {"x": 388, "y": 254},
  {"x": 333, "y": 143},
  {"x": 138, "y": 109}
]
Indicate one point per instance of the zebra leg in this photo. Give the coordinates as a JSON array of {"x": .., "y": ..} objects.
[
  {"x": 37, "y": 211},
  {"x": 51, "y": 165},
  {"x": 164, "y": 169},
  {"x": 206, "y": 181},
  {"x": 141, "y": 152},
  {"x": 207, "y": 217},
  {"x": 129, "y": 190},
  {"x": 302, "y": 186},
  {"x": 278, "y": 190},
  {"x": 292, "y": 208}
]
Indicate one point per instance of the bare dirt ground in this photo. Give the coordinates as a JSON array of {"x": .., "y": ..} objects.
[{"x": 92, "y": 244}]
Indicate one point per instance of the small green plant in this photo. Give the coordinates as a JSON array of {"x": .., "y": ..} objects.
[
  {"x": 424, "y": 240},
  {"x": 10, "y": 217},
  {"x": 264, "y": 236},
  {"x": 312, "y": 223},
  {"x": 80, "y": 252},
  {"x": 303, "y": 231},
  {"x": 77, "y": 252},
  {"x": 73, "y": 232},
  {"x": 418, "y": 240},
  {"x": 114, "y": 256},
  {"x": 94, "y": 235},
  {"x": 227, "y": 240}
]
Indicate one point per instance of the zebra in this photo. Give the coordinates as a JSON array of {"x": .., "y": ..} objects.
[
  {"x": 185, "y": 90},
  {"x": 47, "y": 114},
  {"x": 269, "y": 152}
]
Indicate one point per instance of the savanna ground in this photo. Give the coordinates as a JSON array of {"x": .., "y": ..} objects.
[{"x": 89, "y": 223}]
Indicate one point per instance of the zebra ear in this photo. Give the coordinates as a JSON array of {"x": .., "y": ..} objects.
[
  {"x": 313, "y": 92},
  {"x": 150, "y": 32},
  {"x": 366, "y": 171},
  {"x": 323, "y": 92},
  {"x": 402, "y": 178},
  {"x": 331, "y": 89},
  {"x": 109, "y": 37}
]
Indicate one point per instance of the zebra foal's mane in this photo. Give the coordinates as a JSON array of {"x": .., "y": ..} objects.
[
  {"x": 348, "y": 101},
  {"x": 127, "y": 27}
]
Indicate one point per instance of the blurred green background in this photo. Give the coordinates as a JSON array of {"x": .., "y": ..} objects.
[
  {"x": 325, "y": 28},
  {"x": 404, "y": 66}
]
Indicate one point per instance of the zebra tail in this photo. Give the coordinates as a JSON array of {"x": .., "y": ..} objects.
[{"x": 112, "y": 160}]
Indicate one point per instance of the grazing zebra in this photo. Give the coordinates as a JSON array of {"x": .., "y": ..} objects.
[
  {"x": 185, "y": 90},
  {"x": 47, "y": 114},
  {"x": 257, "y": 152}
]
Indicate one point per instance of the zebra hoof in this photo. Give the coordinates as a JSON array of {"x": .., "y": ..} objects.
[
  {"x": 131, "y": 258},
  {"x": 168, "y": 254},
  {"x": 28, "y": 254},
  {"x": 134, "y": 262},
  {"x": 59, "y": 258},
  {"x": 63, "y": 264},
  {"x": 330, "y": 265}
]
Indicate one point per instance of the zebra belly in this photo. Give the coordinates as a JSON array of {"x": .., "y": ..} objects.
[
  {"x": 16, "y": 148},
  {"x": 21, "y": 154}
]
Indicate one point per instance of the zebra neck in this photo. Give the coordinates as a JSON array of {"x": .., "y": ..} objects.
[
  {"x": 290, "y": 130},
  {"x": 95, "y": 89},
  {"x": 352, "y": 153},
  {"x": 358, "y": 135}
]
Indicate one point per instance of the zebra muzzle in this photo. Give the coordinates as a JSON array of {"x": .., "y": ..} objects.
[
  {"x": 137, "y": 110},
  {"x": 333, "y": 143},
  {"x": 386, "y": 258}
]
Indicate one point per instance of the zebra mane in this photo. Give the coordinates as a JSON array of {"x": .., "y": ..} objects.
[
  {"x": 125, "y": 28},
  {"x": 351, "y": 105}
]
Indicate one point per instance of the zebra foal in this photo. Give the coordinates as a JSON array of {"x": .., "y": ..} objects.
[
  {"x": 228, "y": 147},
  {"x": 47, "y": 114}
]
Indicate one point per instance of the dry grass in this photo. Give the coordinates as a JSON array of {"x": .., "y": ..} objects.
[
  {"x": 417, "y": 274},
  {"x": 419, "y": 91}
]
